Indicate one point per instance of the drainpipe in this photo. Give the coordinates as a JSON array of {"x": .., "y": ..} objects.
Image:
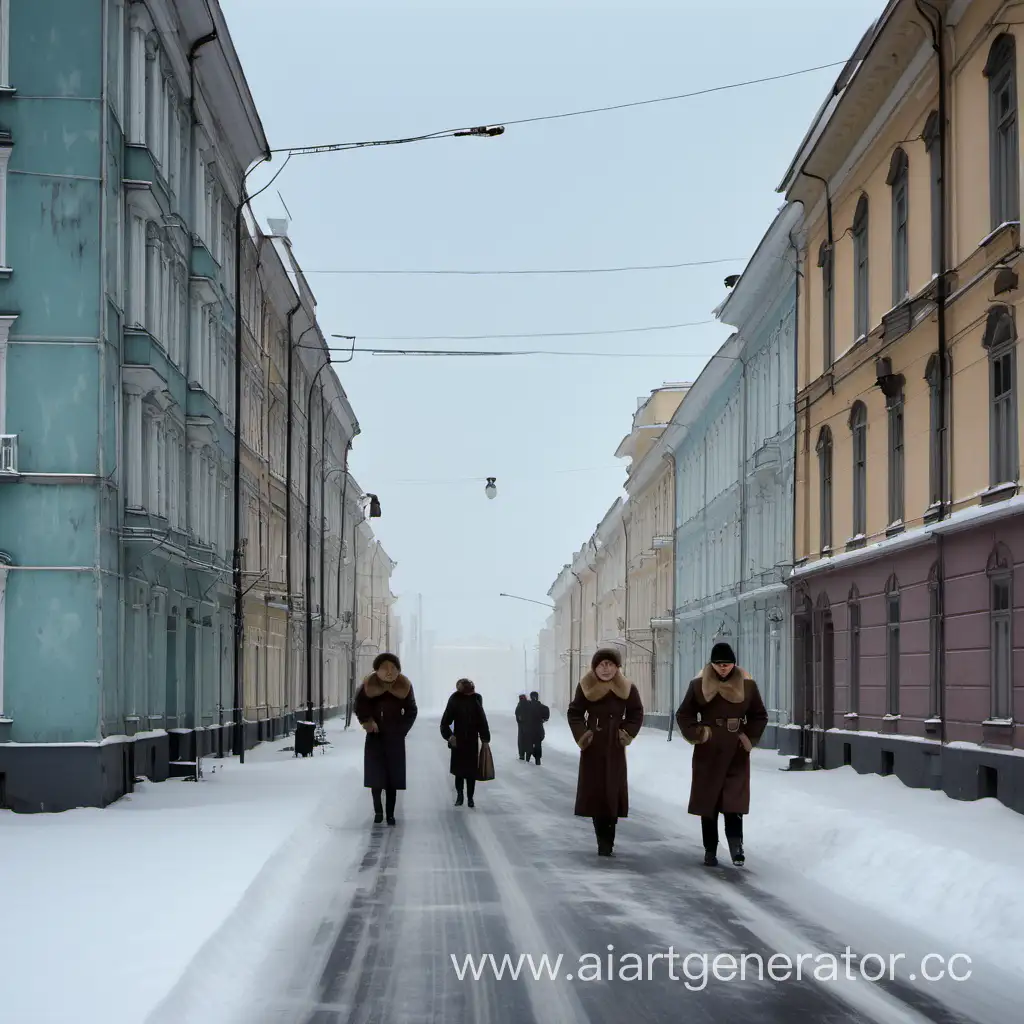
[
  {"x": 743, "y": 501},
  {"x": 289, "y": 421},
  {"x": 579, "y": 632},
  {"x": 792, "y": 504},
  {"x": 670, "y": 456},
  {"x": 341, "y": 530},
  {"x": 323, "y": 522},
  {"x": 355, "y": 626},
  {"x": 625, "y": 531},
  {"x": 937, "y": 44}
]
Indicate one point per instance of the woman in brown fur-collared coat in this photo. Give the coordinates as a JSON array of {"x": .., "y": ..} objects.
[
  {"x": 723, "y": 715},
  {"x": 605, "y": 716},
  {"x": 386, "y": 708}
]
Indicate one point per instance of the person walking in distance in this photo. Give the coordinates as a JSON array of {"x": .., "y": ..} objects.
[
  {"x": 536, "y": 714},
  {"x": 723, "y": 716},
  {"x": 521, "y": 712},
  {"x": 464, "y": 726},
  {"x": 605, "y": 716},
  {"x": 385, "y": 706}
]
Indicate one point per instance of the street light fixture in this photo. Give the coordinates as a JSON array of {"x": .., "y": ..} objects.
[{"x": 516, "y": 597}]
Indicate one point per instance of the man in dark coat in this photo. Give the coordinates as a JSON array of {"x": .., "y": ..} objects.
[
  {"x": 521, "y": 713},
  {"x": 536, "y": 714},
  {"x": 723, "y": 716},
  {"x": 605, "y": 716},
  {"x": 385, "y": 706},
  {"x": 464, "y": 726}
]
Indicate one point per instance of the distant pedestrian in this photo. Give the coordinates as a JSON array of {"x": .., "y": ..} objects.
[
  {"x": 605, "y": 716},
  {"x": 536, "y": 714},
  {"x": 385, "y": 706},
  {"x": 464, "y": 726},
  {"x": 521, "y": 712},
  {"x": 723, "y": 715}
]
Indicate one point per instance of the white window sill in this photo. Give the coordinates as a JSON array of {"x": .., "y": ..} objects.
[
  {"x": 7, "y": 90},
  {"x": 891, "y": 718},
  {"x": 851, "y": 714},
  {"x": 6, "y": 272},
  {"x": 1002, "y": 722}
]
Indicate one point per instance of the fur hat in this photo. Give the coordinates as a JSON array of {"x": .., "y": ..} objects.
[
  {"x": 522, "y": 696},
  {"x": 465, "y": 686},
  {"x": 606, "y": 654},
  {"x": 386, "y": 656},
  {"x": 722, "y": 652}
]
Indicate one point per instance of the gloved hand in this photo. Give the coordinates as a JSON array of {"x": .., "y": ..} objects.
[
  {"x": 585, "y": 740},
  {"x": 745, "y": 740},
  {"x": 624, "y": 738},
  {"x": 451, "y": 742},
  {"x": 704, "y": 734},
  {"x": 370, "y": 725}
]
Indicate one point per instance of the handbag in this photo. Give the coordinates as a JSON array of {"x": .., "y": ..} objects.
[{"x": 485, "y": 764}]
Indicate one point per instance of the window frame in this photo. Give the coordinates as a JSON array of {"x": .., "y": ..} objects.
[
  {"x": 898, "y": 181},
  {"x": 934, "y": 151},
  {"x": 5, "y": 45},
  {"x": 861, "y": 270},
  {"x": 1004, "y": 132},
  {"x": 859, "y": 431},
  {"x": 6, "y": 149},
  {"x": 897, "y": 453},
  {"x": 854, "y": 628},
  {"x": 828, "y": 305},
  {"x": 825, "y": 450},
  {"x": 936, "y": 642},
  {"x": 1000, "y": 342},
  {"x": 938, "y": 434},
  {"x": 892, "y": 647}
]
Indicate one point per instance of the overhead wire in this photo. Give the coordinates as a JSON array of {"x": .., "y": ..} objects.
[{"x": 558, "y": 270}]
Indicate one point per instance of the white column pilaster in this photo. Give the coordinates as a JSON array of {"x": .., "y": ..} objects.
[
  {"x": 133, "y": 444},
  {"x": 137, "y": 87},
  {"x": 6, "y": 323},
  {"x": 3, "y": 615}
]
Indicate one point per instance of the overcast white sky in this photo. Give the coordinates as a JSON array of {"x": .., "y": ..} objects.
[{"x": 666, "y": 183}]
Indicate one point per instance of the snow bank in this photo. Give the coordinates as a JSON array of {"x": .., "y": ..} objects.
[
  {"x": 104, "y": 910},
  {"x": 943, "y": 867}
]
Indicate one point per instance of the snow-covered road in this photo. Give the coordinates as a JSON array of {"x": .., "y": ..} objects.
[{"x": 374, "y": 940}]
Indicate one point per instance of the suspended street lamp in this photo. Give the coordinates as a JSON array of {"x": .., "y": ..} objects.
[{"x": 490, "y": 490}]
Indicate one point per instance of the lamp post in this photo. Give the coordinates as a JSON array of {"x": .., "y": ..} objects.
[
  {"x": 480, "y": 131},
  {"x": 516, "y": 597},
  {"x": 374, "y": 514}
]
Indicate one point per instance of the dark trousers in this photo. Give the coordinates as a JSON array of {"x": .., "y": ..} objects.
[
  {"x": 533, "y": 750},
  {"x": 523, "y": 747},
  {"x": 392, "y": 796},
  {"x": 709, "y": 829},
  {"x": 604, "y": 829},
  {"x": 470, "y": 785}
]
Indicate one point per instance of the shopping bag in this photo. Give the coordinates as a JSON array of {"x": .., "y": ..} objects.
[{"x": 485, "y": 765}]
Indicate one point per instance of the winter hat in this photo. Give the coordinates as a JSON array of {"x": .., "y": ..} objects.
[
  {"x": 534, "y": 695},
  {"x": 722, "y": 652},
  {"x": 606, "y": 654},
  {"x": 465, "y": 686},
  {"x": 386, "y": 656},
  {"x": 522, "y": 696}
]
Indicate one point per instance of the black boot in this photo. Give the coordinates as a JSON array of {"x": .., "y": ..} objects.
[
  {"x": 378, "y": 807},
  {"x": 391, "y": 799},
  {"x": 710, "y": 859},
  {"x": 736, "y": 851},
  {"x": 458, "y": 800}
]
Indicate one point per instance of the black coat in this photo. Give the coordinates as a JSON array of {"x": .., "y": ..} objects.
[
  {"x": 387, "y": 713},
  {"x": 465, "y": 719},
  {"x": 522, "y": 706},
  {"x": 535, "y": 715}
]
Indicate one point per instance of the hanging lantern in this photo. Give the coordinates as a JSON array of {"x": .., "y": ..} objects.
[{"x": 490, "y": 490}]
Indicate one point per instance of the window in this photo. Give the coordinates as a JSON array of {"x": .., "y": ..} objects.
[
  {"x": 1000, "y": 339},
  {"x": 1000, "y": 573},
  {"x": 897, "y": 471},
  {"x": 824, "y": 449},
  {"x": 938, "y": 432},
  {"x": 853, "y": 609},
  {"x": 827, "y": 305},
  {"x": 892, "y": 646},
  {"x": 935, "y": 641},
  {"x": 861, "y": 291},
  {"x": 5, "y": 45},
  {"x": 898, "y": 182},
  {"x": 6, "y": 145},
  {"x": 1001, "y": 72},
  {"x": 931, "y": 142},
  {"x": 859, "y": 429}
]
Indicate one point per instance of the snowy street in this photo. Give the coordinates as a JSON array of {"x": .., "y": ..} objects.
[{"x": 289, "y": 905}]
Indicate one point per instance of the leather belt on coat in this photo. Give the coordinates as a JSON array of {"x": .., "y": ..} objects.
[{"x": 732, "y": 724}]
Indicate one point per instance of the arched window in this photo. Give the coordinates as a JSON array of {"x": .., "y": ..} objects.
[
  {"x": 824, "y": 449},
  {"x": 938, "y": 428},
  {"x": 1000, "y": 340},
  {"x": 892, "y": 646},
  {"x": 935, "y": 642},
  {"x": 931, "y": 142},
  {"x": 827, "y": 305},
  {"x": 897, "y": 457},
  {"x": 898, "y": 182},
  {"x": 1001, "y": 72},
  {"x": 861, "y": 291},
  {"x": 1000, "y": 577},
  {"x": 853, "y": 659},
  {"x": 859, "y": 429}
]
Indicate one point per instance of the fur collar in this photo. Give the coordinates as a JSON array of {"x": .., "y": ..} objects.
[
  {"x": 733, "y": 689},
  {"x": 595, "y": 689},
  {"x": 376, "y": 687}
]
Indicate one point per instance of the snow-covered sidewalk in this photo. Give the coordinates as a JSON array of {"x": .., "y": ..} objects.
[
  {"x": 103, "y": 910},
  {"x": 943, "y": 868}
]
